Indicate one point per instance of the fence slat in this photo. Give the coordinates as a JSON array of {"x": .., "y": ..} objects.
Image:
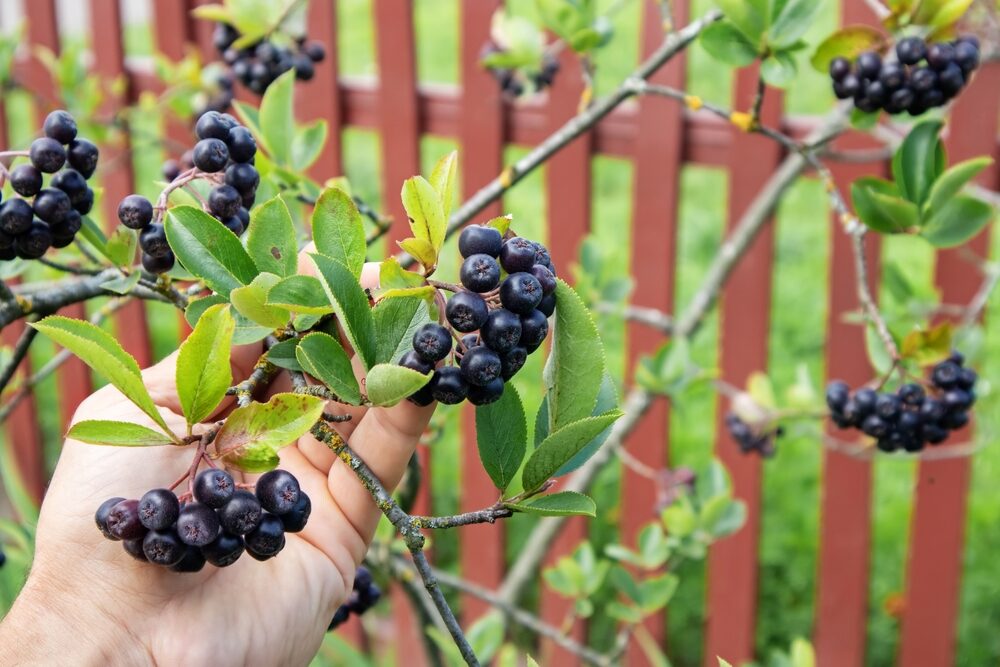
[
  {"x": 743, "y": 349},
  {"x": 480, "y": 159},
  {"x": 934, "y": 574},
  {"x": 320, "y": 97}
]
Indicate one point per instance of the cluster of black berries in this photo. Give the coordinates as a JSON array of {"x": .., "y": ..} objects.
[
  {"x": 362, "y": 598},
  {"x": 258, "y": 65},
  {"x": 924, "y": 76},
  {"x": 224, "y": 145},
  {"x": 215, "y": 526},
  {"x": 750, "y": 439},
  {"x": 502, "y": 321},
  {"x": 911, "y": 417},
  {"x": 512, "y": 82},
  {"x": 43, "y": 218},
  {"x": 222, "y": 97}
]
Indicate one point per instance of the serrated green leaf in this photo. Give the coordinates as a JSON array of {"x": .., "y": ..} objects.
[
  {"x": 308, "y": 144},
  {"x": 277, "y": 120},
  {"x": 99, "y": 350},
  {"x": 500, "y": 223},
  {"x": 122, "y": 284},
  {"x": 94, "y": 235},
  {"x": 388, "y": 384},
  {"x": 300, "y": 294},
  {"x": 607, "y": 400},
  {"x": 561, "y": 446},
  {"x": 209, "y": 250},
  {"x": 350, "y": 303},
  {"x": 197, "y": 307},
  {"x": 847, "y": 42},
  {"x": 444, "y": 179},
  {"x": 271, "y": 238},
  {"x": 502, "y": 437},
  {"x": 422, "y": 250},
  {"x": 396, "y": 320},
  {"x": 952, "y": 181},
  {"x": 957, "y": 221},
  {"x": 728, "y": 45},
  {"x": 252, "y": 435},
  {"x": 393, "y": 276},
  {"x": 564, "y": 503},
  {"x": 121, "y": 246},
  {"x": 424, "y": 208},
  {"x": 338, "y": 231},
  {"x": 116, "y": 434},
  {"x": 282, "y": 355},
  {"x": 325, "y": 359},
  {"x": 918, "y": 161},
  {"x": 203, "y": 371},
  {"x": 251, "y": 302}
]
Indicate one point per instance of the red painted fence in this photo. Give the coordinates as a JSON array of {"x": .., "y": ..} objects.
[{"x": 658, "y": 137}]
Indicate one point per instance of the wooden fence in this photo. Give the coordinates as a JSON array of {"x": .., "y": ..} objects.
[{"x": 658, "y": 137}]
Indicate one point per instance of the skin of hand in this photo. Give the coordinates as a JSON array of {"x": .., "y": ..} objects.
[{"x": 88, "y": 602}]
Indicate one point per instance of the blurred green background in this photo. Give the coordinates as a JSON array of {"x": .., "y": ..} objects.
[{"x": 790, "y": 526}]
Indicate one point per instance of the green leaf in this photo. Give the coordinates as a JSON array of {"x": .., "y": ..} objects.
[
  {"x": 779, "y": 69},
  {"x": 301, "y": 294},
  {"x": 251, "y": 302},
  {"x": 308, "y": 144},
  {"x": 877, "y": 206},
  {"x": 792, "y": 22},
  {"x": 338, "y": 231},
  {"x": 197, "y": 307},
  {"x": 847, "y": 42},
  {"x": 561, "y": 446},
  {"x": 486, "y": 635},
  {"x": 396, "y": 320},
  {"x": 117, "y": 434},
  {"x": 502, "y": 437},
  {"x": 94, "y": 235},
  {"x": 99, "y": 350},
  {"x": 209, "y": 250},
  {"x": 14, "y": 487},
  {"x": 250, "y": 117},
  {"x": 392, "y": 275},
  {"x": 680, "y": 519},
  {"x": 271, "y": 238},
  {"x": 203, "y": 372},
  {"x": 957, "y": 221},
  {"x": 277, "y": 120},
  {"x": 750, "y": 17},
  {"x": 122, "y": 284},
  {"x": 282, "y": 355},
  {"x": 607, "y": 400},
  {"x": 444, "y": 179},
  {"x": 576, "y": 365},
  {"x": 425, "y": 210},
  {"x": 916, "y": 164},
  {"x": 252, "y": 435},
  {"x": 564, "y": 503},
  {"x": 655, "y": 592},
  {"x": 501, "y": 223},
  {"x": 121, "y": 246},
  {"x": 350, "y": 303},
  {"x": 928, "y": 346},
  {"x": 421, "y": 250},
  {"x": 388, "y": 384},
  {"x": 728, "y": 45},
  {"x": 952, "y": 181},
  {"x": 325, "y": 359}
]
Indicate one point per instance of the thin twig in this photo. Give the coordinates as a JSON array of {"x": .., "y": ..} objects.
[
  {"x": 17, "y": 355},
  {"x": 488, "y": 515}
]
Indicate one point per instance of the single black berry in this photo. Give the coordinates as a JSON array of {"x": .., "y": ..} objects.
[
  {"x": 933, "y": 410},
  {"x": 447, "y": 386},
  {"x": 480, "y": 273},
  {"x": 224, "y": 550},
  {"x": 911, "y": 50},
  {"x": 480, "y": 240},
  {"x": 101, "y": 516},
  {"x": 517, "y": 254},
  {"x": 213, "y": 125},
  {"x": 153, "y": 240},
  {"x": 520, "y": 293},
  {"x": 211, "y": 155},
  {"x": 847, "y": 87},
  {"x": 891, "y": 77},
  {"x": 135, "y": 211},
  {"x": 951, "y": 79},
  {"x": 480, "y": 366},
  {"x": 26, "y": 180},
  {"x": 234, "y": 224},
  {"x": 242, "y": 176},
  {"x": 192, "y": 561},
  {"x": 268, "y": 538},
  {"x": 911, "y": 394},
  {"x": 72, "y": 183},
  {"x": 422, "y": 397},
  {"x": 224, "y": 201},
  {"x": 839, "y": 68},
  {"x": 945, "y": 375},
  {"x": 466, "y": 311},
  {"x": 197, "y": 524},
  {"x": 502, "y": 330},
  {"x": 295, "y": 519},
  {"x": 545, "y": 278},
  {"x": 33, "y": 243},
  {"x": 940, "y": 55},
  {"x": 414, "y": 361},
  {"x": 512, "y": 362},
  {"x": 163, "y": 547},
  {"x": 85, "y": 203},
  {"x": 548, "y": 304},
  {"x": 52, "y": 205},
  {"x": 160, "y": 264},
  {"x": 278, "y": 491},
  {"x": 123, "y": 521},
  {"x": 868, "y": 64},
  {"x": 214, "y": 487},
  {"x": 837, "y": 393},
  {"x": 966, "y": 379},
  {"x": 488, "y": 393},
  {"x": 241, "y": 514},
  {"x": 966, "y": 56},
  {"x": 432, "y": 342},
  {"x": 159, "y": 509},
  {"x": 61, "y": 126},
  {"x": 887, "y": 406},
  {"x": 242, "y": 146},
  {"x": 15, "y": 217},
  {"x": 47, "y": 155},
  {"x": 534, "y": 329},
  {"x": 304, "y": 69},
  {"x": 134, "y": 549},
  {"x": 82, "y": 156},
  {"x": 314, "y": 50}
]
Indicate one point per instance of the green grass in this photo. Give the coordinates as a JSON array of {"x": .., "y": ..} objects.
[{"x": 791, "y": 492}]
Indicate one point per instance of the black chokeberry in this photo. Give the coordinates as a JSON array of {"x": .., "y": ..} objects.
[
  {"x": 415, "y": 362},
  {"x": 891, "y": 78},
  {"x": 211, "y": 155},
  {"x": 163, "y": 547},
  {"x": 213, "y": 125},
  {"x": 887, "y": 406},
  {"x": 966, "y": 379},
  {"x": 101, "y": 516},
  {"x": 837, "y": 394},
  {"x": 480, "y": 240},
  {"x": 159, "y": 509},
  {"x": 512, "y": 362},
  {"x": 422, "y": 397},
  {"x": 517, "y": 254},
  {"x": 135, "y": 211},
  {"x": 480, "y": 366},
  {"x": 314, "y": 50},
  {"x": 911, "y": 394},
  {"x": 278, "y": 491},
  {"x": 296, "y": 518},
  {"x": 197, "y": 524},
  {"x": 160, "y": 264},
  {"x": 486, "y": 394},
  {"x": 911, "y": 50},
  {"x": 839, "y": 68},
  {"x": 242, "y": 146},
  {"x": 61, "y": 126},
  {"x": 52, "y": 205},
  {"x": 432, "y": 342},
  {"x": 241, "y": 514},
  {"x": 33, "y": 243},
  {"x": 15, "y": 217},
  {"x": 502, "y": 330},
  {"x": 847, "y": 87},
  {"x": 267, "y": 539},
  {"x": 480, "y": 273},
  {"x": 548, "y": 304},
  {"x": 304, "y": 69},
  {"x": 123, "y": 520},
  {"x": 951, "y": 79},
  {"x": 545, "y": 278},
  {"x": 933, "y": 410},
  {"x": 940, "y": 55},
  {"x": 957, "y": 400},
  {"x": 520, "y": 293},
  {"x": 466, "y": 311},
  {"x": 82, "y": 156},
  {"x": 534, "y": 329},
  {"x": 923, "y": 79},
  {"x": 192, "y": 561},
  {"x": 26, "y": 180},
  {"x": 234, "y": 224},
  {"x": 85, "y": 203},
  {"x": 224, "y": 201},
  {"x": 72, "y": 183},
  {"x": 242, "y": 176},
  {"x": 447, "y": 385},
  {"x": 966, "y": 56},
  {"x": 153, "y": 240},
  {"x": 214, "y": 487},
  {"x": 865, "y": 399},
  {"x": 340, "y": 617},
  {"x": 224, "y": 550},
  {"x": 134, "y": 549},
  {"x": 868, "y": 64},
  {"x": 47, "y": 155},
  {"x": 945, "y": 375}
]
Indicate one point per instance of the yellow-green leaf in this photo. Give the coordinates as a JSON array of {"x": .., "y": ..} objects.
[
  {"x": 203, "y": 372},
  {"x": 117, "y": 434}
]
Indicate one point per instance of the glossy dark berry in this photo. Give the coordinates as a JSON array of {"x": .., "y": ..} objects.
[
  {"x": 512, "y": 362},
  {"x": 211, "y": 155},
  {"x": 134, "y": 549},
  {"x": 163, "y": 547},
  {"x": 72, "y": 183},
  {"x": 296, "y": 518},
  {"x": 837, "y": 393},
  {"x": 480, "y": 240},
  {"x": 415, "y": 362},
  {"x": 865, "y": 399},
  {"x": 224, "y": 550},
  {"x": 214, "y": 487},
  {"x": 314, "y": 50},
  {"x": 502, "y": 330},
  {"x": 123, "y": 521},
  {"x": 966, "y": 379},
  {"x": 85, "y": 204},
  {"x": 466, "y": 311},
  {"x": 547, "y": 305},
  {"x": 923, "y": 79},
  {"x": 47, "y": 155},
  {"x": 82, "y": 156},
  {"x": 192, "y": 561},
  {"x": 839, "y": 68},
  {"x": 61, "y": 126},
  {"x": 945, "y": 375},
  {"x": 868, "y": 64},
  {"x": 242, "y": 146},
  {"x": 517, "y": 254},
  {"x": 951, "y": 79},
  {"x": 447, "y": 386},
  {"x": 900, "y": 100},
  {"x": 545, "y": 278},
  {"x": 159, "y": 509},
  {"x": 940, "y": 55},
  {"x": 160, "y": 264},
  {"x": 520, "y": 293},
  {"x": 52, "y": 205},
  {"x": 340, "y": 617},
  {"x": 490, "y": 392},
  {"x": 933, "y": 410},
  {"x": 171, "y": 170},
  {"x": 234, "y": 224},
  {"x": 875, "y": 426},
  {"x": 911, "y": 394},
  {"x": 480, "y": 366},
  {"x": 278, "y": 491},
  {"x": 241, "y": 514},
  {"x": 33, "y": 243},
  {"x": 212, "y": 125},
  {"x": 480, "y": 273},
  {"x": 432, "y": 342},
  {"x": 957, "y": 400},
  {"x": 892, "y": 77},
  {"x": 422, "y": 397},
  {"x": 15, "y": 217},
  {"x": 966, "y": 56},
  {"x": 268, "y": 538},
  {"x": 955, "y": 420},
  {"x": 135, "y": 211},
  {"x": 224, "y": 201},
  {"x": 887, "y": 406},
  {"x": 242, "y": 176},
  {"x": 101, "y": 516},
  {"x": 847, "y": 87},
  {"x": 911, "y": 50},
  {"x": 26, "y": 180},
  {"x": 304, "y": 69},
  {"x": 197, "y": 524},
  {"x": 153, "y": 240},
  {"x": 534, "y": 329}
]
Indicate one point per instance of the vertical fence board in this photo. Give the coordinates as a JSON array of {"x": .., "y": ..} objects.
[
  {"x": 658, "y": 163},
  {"x": 745, "y": 301},
  {"x": 568, "y": 213},
  {"x": 116, "y": 176},
  {"x": 320, "y": 98},
  {"x": 399, "y": 123},
  {"x": 480, "y": 159},
  {"x": 930, "y": 620}
]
